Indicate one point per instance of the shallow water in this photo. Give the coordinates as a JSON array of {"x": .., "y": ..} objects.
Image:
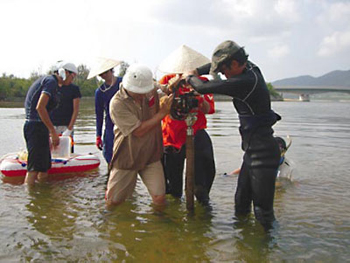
[{"x": 66, "y": 220}]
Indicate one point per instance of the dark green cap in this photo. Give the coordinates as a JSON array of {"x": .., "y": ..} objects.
[{"x": 221, "y": 53}]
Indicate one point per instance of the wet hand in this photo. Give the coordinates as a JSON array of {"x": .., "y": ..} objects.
[
  {"x": 55, "y": 140},
  {"x": 173, "y": 82},
  {"x": 165, "y": 104},
  {"x": 190, "y": 73}
]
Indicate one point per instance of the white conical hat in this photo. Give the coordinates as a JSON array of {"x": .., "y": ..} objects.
[
  {"x": 102, "y": 65},
  {"x": 183, "y": 60}
]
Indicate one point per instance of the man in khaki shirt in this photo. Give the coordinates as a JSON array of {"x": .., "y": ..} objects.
[{"x": 138, "y": 147}]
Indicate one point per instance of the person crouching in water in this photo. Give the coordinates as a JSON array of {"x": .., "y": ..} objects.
[
  {"x": 285, "y": 169},
  {"x": 246, "y": 85},
  {"x": 136, "y": 112}
]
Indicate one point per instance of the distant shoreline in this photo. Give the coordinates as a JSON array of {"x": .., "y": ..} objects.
[
  {"x": 219, "y": 97},
  {"x": 19, "y": 102}
]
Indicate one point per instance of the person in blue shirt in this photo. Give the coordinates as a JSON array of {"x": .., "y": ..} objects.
[
  {"x": 103, "y": 95},
  {"x": 41, "y": 99}
]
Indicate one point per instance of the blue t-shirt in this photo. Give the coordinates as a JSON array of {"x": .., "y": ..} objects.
[
  {"x": 103, "y": 95},
  {"x": 62, "y": 115},
  {"x": 47, "y": 85}
]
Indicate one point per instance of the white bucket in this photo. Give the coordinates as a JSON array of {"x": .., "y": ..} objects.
[{"x": 63, "y": 149}]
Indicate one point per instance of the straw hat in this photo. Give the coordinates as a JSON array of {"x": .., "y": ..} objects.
[
  {"x": 103, "y": 65},
  {"x": 183, "y": 60}
]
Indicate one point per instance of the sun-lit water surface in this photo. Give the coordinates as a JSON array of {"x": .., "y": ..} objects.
[{"x": 66, "y": 220}]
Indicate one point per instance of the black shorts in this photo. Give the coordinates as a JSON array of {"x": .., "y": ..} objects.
[{"x": 36, "y": 135}]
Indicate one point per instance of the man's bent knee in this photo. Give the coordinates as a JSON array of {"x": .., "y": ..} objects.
[
  {"x": 114, "y": 199},
  {"x": 158, "y": 199},
  {"x": 110, "y": 203}
]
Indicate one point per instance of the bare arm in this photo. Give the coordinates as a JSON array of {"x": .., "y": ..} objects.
[
  {"x": 75, "y": 113},
  {"x": 170, "y": 86},
  {"x": 44, "y": 116}
]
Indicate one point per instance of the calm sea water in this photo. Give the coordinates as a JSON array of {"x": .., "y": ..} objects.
[{"x": 66, "y": 220}]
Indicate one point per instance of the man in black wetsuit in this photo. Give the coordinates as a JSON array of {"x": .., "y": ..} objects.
[{"x": 246, "y": 85}]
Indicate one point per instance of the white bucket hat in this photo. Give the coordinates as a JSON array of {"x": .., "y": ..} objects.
[
  {"x": 102, "y": 65},
  {"x": 183, "y": 60},
  {"x": 138, "y": 79}
]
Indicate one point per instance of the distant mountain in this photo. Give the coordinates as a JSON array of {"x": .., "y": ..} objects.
[{"x": 334, "y": 78}]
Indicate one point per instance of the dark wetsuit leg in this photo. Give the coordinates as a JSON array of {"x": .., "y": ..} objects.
[
  {"x": 263, "y": 185},
  {"x": 243, "y": 196},
  {"x": 257, "y": 179},
  {"x": 204, "y": 166},
  {"x": 173, "y": 164}
]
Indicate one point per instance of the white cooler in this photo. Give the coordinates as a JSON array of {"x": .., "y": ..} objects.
[{"x": 63, "y": 149}]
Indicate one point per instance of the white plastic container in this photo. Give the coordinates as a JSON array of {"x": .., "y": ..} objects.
[{"x": 63, "y": 149}]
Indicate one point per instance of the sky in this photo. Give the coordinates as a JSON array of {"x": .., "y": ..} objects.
[{"x": 285, "y": 38}]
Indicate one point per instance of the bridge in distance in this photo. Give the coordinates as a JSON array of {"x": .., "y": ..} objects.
[{"x": 304, "y": 92}]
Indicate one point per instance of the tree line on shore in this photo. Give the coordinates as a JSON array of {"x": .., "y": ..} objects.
[{"x": 14, "y": 88}]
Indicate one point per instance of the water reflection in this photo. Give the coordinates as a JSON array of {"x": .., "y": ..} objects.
[
  {"x": 252, "y": 237},
  {"x": 136, "y": 230},
  {"x": 52, "y": 215}
]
